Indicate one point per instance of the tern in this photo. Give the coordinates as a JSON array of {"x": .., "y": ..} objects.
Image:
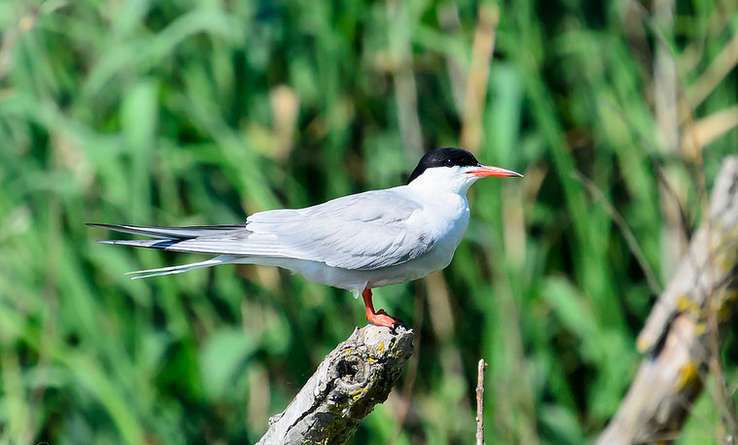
[{"x": 357, "y": 242}]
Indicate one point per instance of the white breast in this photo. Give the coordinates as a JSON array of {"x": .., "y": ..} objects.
[
  {"x": 452, "y": 216},
  {"x": 449, "y": 218}
]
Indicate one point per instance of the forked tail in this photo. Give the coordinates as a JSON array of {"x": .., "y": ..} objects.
[
  {"x": 178, "y": 239},
  {"x": 171, "y": 270}
]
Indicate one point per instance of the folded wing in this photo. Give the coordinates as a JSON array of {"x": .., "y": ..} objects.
[{"x": 365, "y": 231}]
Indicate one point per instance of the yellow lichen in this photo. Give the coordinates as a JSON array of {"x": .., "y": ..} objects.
[
  {"x": 700, "y": 328},
  {"x": 380, "y": 347},
  {"x": 642, "y": 345},
  {"x": 359, "y": 393},
  {"x": 687, "y": 375},
  {"x": 686, "y": 305}
]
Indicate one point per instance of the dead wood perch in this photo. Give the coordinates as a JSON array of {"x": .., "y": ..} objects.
[
  {"x": 355, "y": 376},
  {"x": 683, "y": 325}
]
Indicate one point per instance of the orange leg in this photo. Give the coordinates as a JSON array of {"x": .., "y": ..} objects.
[{"x": 377, "y": 318}]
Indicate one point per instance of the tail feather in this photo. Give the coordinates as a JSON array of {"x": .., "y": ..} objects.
[
  {"x": 150, "y": 243},
  {"x": 184, "y": 232},
  {"x": 214, "y": 240},
  {"x": 167, "y": 238},
  {"x": 171, "y": 270}
]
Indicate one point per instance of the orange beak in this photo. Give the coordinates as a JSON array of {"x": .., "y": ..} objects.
[{"x": 485, "y": 171}]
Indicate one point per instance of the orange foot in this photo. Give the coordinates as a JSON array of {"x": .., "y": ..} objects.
[{"x": 380, "y": 317}]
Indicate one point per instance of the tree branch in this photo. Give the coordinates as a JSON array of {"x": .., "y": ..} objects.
[
  {"x": 355, "y": 376},
  {"x": 480, "y": 401},
  {"x": 683, "y": 325}
]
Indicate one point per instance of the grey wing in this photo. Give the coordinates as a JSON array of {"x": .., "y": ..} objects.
[{"x": 365, "y": 231}]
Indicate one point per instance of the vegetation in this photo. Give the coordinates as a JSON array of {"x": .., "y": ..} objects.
[{"x": 201, "y": 112}]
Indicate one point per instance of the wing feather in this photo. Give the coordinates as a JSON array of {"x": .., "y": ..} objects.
[{"x": 365, "y": 231}]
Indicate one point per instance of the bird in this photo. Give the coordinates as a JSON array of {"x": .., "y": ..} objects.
[{"x": 356, "y": 242}]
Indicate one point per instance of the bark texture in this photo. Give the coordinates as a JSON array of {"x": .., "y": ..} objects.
[
  {"x": 681, "y": 332},
  {"x": 355, "y": 376}
]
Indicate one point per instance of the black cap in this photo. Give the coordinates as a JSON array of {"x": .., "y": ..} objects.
[{"x": 444, "y": 157}]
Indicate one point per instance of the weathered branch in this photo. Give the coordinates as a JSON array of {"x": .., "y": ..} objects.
[
  {"x": 682, "y": 326},
  {"x": 480, "y": 401},
  {"x": 355, "y": 376}
]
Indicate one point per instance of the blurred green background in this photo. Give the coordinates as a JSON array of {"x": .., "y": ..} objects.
[{"x": 202, "y": 112}]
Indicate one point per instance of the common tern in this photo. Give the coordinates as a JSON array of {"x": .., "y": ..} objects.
[{"x": 357, "y": 242}]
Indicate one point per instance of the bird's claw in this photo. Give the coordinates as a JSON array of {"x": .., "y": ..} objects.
[{"x": 382, "y": 318}]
